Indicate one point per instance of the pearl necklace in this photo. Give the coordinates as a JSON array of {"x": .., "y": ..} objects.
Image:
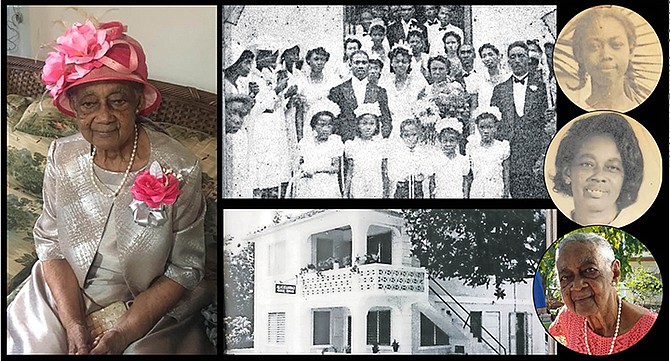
[
  {"x": 125, "y": 176},
  {"x": 616, "y": 330}
]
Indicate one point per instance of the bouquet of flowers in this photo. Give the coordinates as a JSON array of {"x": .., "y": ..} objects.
[
  {"x": 453, "y": 104},
  {"x": 427, "y": 112}
]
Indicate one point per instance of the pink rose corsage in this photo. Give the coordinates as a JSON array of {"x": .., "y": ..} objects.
[{"x": 153, "y": 190}]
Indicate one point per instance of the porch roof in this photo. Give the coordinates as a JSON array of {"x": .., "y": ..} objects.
[{"x": 310, "y": 214}]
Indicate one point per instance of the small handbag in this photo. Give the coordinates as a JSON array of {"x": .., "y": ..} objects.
[{"x": 105, "y": 318}]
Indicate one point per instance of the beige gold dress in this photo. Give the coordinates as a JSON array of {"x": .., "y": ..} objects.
[{"x": 112, "y": 256}]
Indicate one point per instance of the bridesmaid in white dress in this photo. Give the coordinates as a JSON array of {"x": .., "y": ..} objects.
[
  {"x": 366, "y": 173},
  {"x": 489, "y": 159},
  {"x": 314, "y": 83}
]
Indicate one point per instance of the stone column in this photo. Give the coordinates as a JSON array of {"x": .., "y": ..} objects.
[
  {"x": 359, "y": 235},
  {"x": 358, "y": 329}
]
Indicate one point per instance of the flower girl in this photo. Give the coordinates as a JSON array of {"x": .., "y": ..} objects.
[
  {"x": 320, "y": 156},
  {"x": 489, "y": 157},
  {"x": 451, "y": 167},
  {"x": 366, "y": 160},
  {"x": 410, "y": 170}
]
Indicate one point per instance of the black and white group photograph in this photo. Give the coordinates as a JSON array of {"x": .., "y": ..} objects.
[{"x": 400, "y": 101}]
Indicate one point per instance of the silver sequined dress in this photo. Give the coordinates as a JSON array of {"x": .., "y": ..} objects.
[{"x": 80, "y": 225}]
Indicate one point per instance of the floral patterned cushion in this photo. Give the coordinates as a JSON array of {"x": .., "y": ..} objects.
[
  {"x": 42, "y": 118},
  {"x": 16, "y": 106},
  {"x": 25, "y": 162}
]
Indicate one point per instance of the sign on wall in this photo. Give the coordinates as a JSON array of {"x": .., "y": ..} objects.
[{"x": 284, "y": 288}]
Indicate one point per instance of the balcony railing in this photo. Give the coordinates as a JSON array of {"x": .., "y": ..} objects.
[{"x": 363, "y": 278}]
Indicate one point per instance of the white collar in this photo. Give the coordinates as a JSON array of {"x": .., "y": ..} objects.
[
  {"x": 359, "y": 82},
  {"x": 523, "y": 77}
]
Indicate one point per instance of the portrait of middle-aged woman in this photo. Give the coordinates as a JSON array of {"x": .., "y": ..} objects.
[
  {"x": 120, "y": 236},
  {"x": 608, "y": 58},
  {"x": 601, "y": 309},
  {"x": 603, "y": 168}
]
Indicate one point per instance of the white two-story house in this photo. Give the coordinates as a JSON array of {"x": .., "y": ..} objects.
[{"x": 345, "y": 281}]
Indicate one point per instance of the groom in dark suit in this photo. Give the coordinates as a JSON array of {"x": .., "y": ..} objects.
[
  {"x": 522, "y": 100},
  {"x": 355, "y": 91},
  {"x": 398, "y": 30}
]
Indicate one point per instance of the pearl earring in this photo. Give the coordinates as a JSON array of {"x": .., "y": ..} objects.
[{"x": 567, "y": 180}]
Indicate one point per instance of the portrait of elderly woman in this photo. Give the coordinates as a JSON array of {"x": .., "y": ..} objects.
[
  {"x": 598, "y": 317},
  {"x": 120, "y": 242},
  {"x": 603, "y": 168},
  {"x": 608, "y": 58}
]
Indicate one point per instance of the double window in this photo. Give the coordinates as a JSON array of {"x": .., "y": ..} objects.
[{"x": 379, "y": 327}]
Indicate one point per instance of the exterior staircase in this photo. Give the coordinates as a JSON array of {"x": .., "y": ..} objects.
[{"x": 450, "y": 315}]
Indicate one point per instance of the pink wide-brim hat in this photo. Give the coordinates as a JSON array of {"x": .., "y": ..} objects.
[{"x": 125, "y": 60}]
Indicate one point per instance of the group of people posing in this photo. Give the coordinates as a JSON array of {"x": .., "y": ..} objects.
[{"x": 400, "y": 116}]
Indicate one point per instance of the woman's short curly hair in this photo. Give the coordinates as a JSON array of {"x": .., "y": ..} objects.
[
  {"x": 612, "y": 125},
  {"x": 410, "y": 121},
  {"x": 400, "y": 51},
  {"x": 319, "y": 51},
  {"x": 603, "y": 247},
  {"x": 440, "y": 58},
  {"x": 454, "y": 35}
]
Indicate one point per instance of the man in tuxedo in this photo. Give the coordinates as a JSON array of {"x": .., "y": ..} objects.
[
  {"x": 430, "y": 15},
  {"x": 445, "y": 17},
  {"x": 358, "y": 90},
  {"x": 522, "y": 100},
  {"x": 398, "y": 30}
]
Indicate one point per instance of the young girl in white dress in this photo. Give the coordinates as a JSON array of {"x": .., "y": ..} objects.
[
  {"x": 366, "y": 161},
  {"x": 451, "y": 167},
  {"x": 409, "y": 163},
  {"x": 489, "y": 158},
  {"x": 320, "y": 157}
]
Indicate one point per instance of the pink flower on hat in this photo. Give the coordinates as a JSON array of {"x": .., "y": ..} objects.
[
  {"x": 78, "y": 51},
  {"x": 83, "y": 43},
  {"x": 53, "y": 73}
]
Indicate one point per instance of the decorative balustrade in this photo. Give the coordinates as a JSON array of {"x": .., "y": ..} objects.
[{"x": 363, "y": 278}]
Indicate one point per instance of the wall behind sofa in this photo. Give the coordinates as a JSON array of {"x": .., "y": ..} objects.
[{"x": 180, "y": 42}]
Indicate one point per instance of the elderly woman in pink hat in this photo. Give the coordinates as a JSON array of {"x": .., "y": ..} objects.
[{"x": 120, "y": 238}]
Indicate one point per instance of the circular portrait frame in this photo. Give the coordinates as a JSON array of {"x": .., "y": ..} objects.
[
  {"x": 573, "y": 59},
  {"x": 649, "y": 185},
  {"x": 639, "y": 284}
]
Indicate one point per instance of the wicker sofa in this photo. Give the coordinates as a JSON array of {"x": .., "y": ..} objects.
[{"x": 188, "y": 114}]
